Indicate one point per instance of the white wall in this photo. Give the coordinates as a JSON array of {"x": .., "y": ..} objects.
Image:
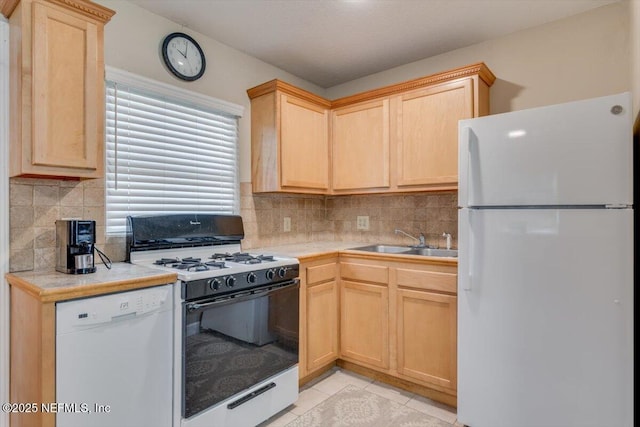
[
  {"x": 4, "y": 217},
  {"x": 634, "y": 25},
  {"x": 579, "y": 57},
  {"x": 133, "y": 39}
]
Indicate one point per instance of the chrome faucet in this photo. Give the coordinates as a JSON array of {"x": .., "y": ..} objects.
[
  {"x": 448, "y": 237},
  {"x": 420, "y": 239}
]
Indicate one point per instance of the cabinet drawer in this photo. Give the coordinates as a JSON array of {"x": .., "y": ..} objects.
[
  {"x": 432, "y": 280},
  {"x": 321, "y": 273},
  {"x": 364, "y": 272}
]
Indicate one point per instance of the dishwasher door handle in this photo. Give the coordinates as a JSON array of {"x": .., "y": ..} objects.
[{"x": 125, "y": 316}]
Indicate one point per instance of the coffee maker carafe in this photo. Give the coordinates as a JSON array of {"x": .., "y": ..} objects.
[{"x": 75, "y": 241}]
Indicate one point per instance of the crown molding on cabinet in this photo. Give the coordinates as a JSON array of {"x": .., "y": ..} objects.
[
  {"x": 479, "y": 69},
  {"x": 85, "y": 7},
  {"x": 281, "y": 86},
  {"x": 7, "y": 7}
]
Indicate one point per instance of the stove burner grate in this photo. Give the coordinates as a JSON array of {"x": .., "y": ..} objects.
[
  {"x": 216, "y": 264},
  {"x": 188, "y": 264},
  {"x": 197, "y": 267},
  {"x": 165, "y": 261},
  {"x": 242, "y": 258}
]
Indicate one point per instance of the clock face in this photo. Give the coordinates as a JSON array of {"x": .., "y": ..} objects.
[{"x": 183, "y": 56}]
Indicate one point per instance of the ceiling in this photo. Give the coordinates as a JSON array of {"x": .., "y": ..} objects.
[{"x": 329, "y": 42}]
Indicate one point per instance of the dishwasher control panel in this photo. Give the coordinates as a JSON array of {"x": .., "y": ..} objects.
[{"x": 77, "y": 314}]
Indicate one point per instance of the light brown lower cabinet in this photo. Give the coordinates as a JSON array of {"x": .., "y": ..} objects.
[
  {"x": 392, "y": 319},
  {"x": 364, "y": 323},
  {"x": 426, "y": 337},
  {"x": 399, "y": 318},
  {"x": 318, "y": 315},
  {"x": 364, "y": 314}
]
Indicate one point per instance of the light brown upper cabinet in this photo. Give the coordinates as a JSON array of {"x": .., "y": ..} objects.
[
  {"x": 360, "y": 146},
  {"x": 57, "y": 87},
  {"x": 289, "y": 140},
  {"x": 397, "y": 138},
  {"x": 426, "y": 138}
]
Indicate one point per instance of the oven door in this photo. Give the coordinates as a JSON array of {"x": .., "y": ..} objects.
[{"x": 234, "y": 342}]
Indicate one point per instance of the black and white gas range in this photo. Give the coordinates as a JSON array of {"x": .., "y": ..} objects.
[{"x": 236, "y": 318}]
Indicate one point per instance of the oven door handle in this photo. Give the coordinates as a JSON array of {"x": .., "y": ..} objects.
[{"x": 239, "y": 297}]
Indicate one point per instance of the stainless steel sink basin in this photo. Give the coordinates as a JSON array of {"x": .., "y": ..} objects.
[
  {"x": 383, "y": 249},
  {"x": 433, "y": 252},
  {"x": 408, "y": 250}
]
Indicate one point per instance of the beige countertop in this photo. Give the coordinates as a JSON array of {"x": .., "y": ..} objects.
[
  {"x": 50, "y": 285},
  {"x": 309, "y": 250}
]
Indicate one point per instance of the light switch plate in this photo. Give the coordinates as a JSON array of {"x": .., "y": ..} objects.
[
  {"x": 362, "y": 223},
  {"x": 287, "y": 224}
]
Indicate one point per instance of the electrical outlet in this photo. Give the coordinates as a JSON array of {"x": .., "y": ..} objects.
[
  {"x": 362, "y": 223},
  {"x": 287, "y": 224}
]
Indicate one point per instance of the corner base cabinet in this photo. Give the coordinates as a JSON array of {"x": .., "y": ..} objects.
[
  {"x": 399, "y": 319},
  {"x": 57, "y": 87}
]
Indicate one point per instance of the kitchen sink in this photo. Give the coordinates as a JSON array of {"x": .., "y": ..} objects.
[
  {"x": 384, "y": 249},
  {"x": 433, "y": 252},
  {"x": 408, "y": 250}
]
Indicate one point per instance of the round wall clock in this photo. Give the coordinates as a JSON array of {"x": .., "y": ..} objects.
[{"x": 183, "y": 56}]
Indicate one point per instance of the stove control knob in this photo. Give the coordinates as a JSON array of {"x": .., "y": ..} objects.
[
  {"x": 214, "y": 284},
  {"x": 282, "y": 272},
  {"x": 251, "y": 278},
  {"x": 230, "y": 281},
  {"x": 270, "y": 274}
]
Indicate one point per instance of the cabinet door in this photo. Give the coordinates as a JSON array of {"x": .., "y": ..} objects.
[
  {"x": 360, "y": 146},
  {"x": 322, "y": 325},
  {"x": 67, "y": 92},
  {"x": 364, "y": 323},
  {"x": 304, "y": 144},
  {"x": 427, "y": 133},
  {"x": 426, "y": 342}
]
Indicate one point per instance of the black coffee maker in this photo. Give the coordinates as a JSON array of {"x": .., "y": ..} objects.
[{"x": 75, "y": 240}]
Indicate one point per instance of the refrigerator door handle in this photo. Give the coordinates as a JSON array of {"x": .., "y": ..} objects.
[
  {"x": 466, "y": 286},
  {"x": 466, "y": 247},
  {"x": 466, "y": 191}
]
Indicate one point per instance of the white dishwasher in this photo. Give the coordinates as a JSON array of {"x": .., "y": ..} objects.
[{"x": 114, "y": 360}]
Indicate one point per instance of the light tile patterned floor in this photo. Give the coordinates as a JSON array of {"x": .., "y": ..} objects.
[{"x": 320, "y": 389}]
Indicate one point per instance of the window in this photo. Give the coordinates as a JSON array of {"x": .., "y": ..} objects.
[{"x": 167, "y": 151}]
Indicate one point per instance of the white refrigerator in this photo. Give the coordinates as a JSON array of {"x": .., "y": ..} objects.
[{"x": 545, "y": 268}]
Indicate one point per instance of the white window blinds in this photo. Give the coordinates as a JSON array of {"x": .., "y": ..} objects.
[{"x": 166, "y": 154}]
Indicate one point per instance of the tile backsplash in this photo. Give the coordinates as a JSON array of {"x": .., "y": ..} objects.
[
  {"x": 316, "y": 218},
  {"x": 36, "y": 204}
]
